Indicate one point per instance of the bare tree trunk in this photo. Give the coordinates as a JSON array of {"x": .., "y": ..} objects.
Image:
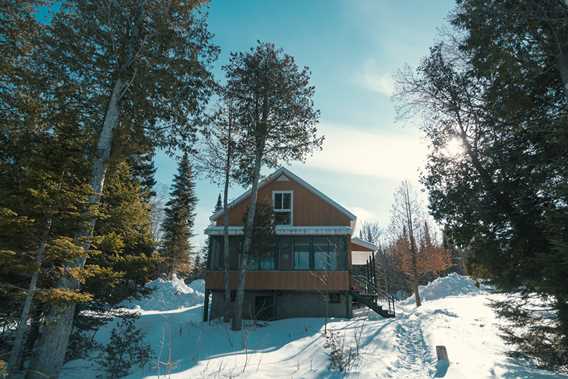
[
  {"x": 15, "y": 360},
  {"x": 49, "y": 353},
  {"x": 249, "y": 229},
  {"x": 227, "y": 307},
  {"x": 413, "y": 248}
]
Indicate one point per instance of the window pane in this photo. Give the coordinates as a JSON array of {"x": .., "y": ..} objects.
[
  {"x": 338, "y": 246},
  {"x": 282, "y": 218},
  {"x": 267, "y": 262},
  {"x": 252, "y": 263},
  {"x": 277, "y": 201},
  {"x": 326, "y": 261},
  {"x": 302, "y": 260},
  {"x": 302, "y": 253},
  {"x": 284, "y": 253},
  {"x": 235, "y": 246},
  {"x": 287, "y": 201}
]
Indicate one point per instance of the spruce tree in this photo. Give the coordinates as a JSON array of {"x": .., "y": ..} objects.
[
  {"x": 143, "y": 170},
  {"x": 177, "y": 227}
]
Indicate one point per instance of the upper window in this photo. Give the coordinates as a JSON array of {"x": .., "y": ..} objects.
[{"x": 282, "y": 205}]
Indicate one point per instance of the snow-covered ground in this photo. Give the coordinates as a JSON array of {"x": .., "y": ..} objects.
[{"x": 455, "y": 313}]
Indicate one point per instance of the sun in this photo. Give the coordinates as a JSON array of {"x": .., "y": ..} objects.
[{"x": 454, "y": 147}]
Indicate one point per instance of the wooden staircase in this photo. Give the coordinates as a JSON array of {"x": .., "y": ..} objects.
[
  {"x": 373, "y": 302},
  {"x": 366, "y": 291}
]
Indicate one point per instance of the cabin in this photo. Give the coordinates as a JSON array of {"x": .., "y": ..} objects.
[{"x": 314, "y": 268}]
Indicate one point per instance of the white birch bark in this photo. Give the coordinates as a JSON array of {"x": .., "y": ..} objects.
[
  {"x": 413, "y": 247},
  {"x": 49, "y": 353}
]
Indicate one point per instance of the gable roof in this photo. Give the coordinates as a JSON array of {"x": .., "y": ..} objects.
[{"x": 275, "y": 175}]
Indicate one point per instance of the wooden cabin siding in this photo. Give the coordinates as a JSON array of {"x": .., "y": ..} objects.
[
  {"x": 283, "y": 280},
  {"x": 308, "y": 208}
]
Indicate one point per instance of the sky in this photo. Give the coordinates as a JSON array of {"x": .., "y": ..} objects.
[{"x": 353, "y": 49}]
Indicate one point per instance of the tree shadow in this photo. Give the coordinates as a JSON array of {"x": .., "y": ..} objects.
[
  {"x": 182, "y": 340},
  {"x": 513, "y": 369}
]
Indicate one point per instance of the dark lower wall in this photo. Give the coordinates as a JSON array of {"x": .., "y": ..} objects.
[{"x": 289, "y": 304}]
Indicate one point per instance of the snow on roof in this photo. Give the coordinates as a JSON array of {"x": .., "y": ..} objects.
[{"x": 365, "y": 244}]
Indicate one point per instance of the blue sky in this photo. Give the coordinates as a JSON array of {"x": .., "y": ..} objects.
[{"x": 353, "y": 48}]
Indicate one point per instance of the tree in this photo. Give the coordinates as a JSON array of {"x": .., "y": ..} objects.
[
  {"x": 497, "y": 85},
  {"x": 179, "y": 220},
  {"x": 140, "y": 67},
  {"x": 218, "y": 163},
  {"x": 272, "y": 102},
  {"x": 143, "y": 170},
  {"x": 406, "y": 218}
]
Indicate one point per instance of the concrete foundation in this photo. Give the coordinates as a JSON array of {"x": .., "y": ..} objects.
[{"x": 273, "y": 305}]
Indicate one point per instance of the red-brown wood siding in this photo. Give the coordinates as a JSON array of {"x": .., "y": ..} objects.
[
  {"x": 283, "y": 280},
  {"x": 308, "y": 208}
]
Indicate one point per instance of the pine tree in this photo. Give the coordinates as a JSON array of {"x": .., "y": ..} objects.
[
  {"x": 179, "y": 220},
  {"x": 273, "y": 101}
]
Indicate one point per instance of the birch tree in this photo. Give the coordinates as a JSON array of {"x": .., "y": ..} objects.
[
  {"x": 273, "y": 103},
  {"x": 138, "y": 66}
]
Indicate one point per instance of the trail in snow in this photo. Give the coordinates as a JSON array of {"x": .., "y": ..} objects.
[{"x": 414, "y": 356}]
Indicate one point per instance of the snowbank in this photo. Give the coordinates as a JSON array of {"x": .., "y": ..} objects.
[
  {"x": 169, "y": 295},
  {"x": 450, "y": 285},
  {"x": 458, "y": 315}
]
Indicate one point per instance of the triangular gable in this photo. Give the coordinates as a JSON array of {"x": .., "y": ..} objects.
[{"x": 276, "y": 175}]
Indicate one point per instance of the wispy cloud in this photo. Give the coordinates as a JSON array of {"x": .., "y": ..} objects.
[
  {"x": 349, "y": 150},
  {"x": 373, "y": 78}
]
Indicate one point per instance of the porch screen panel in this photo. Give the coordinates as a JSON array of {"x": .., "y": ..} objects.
[
  {"x": 302, "y": 248},
  {"x": 235, "y": 247},
  {"x": 215, "y": 253},
  {"x": 325, "y": 256},
  {"x": 340, "y": 248},
  {"x": 284, "y": 253},
  {"x": 267, "y": 259}
]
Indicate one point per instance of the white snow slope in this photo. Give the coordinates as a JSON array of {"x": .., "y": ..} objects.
[{"x": 455, "y": 313}]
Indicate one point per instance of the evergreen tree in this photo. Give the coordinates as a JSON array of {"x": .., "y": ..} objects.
[
  {"x": 179, "y": 219},
  {"x": 219, "y": 205},
  {"x": 272, "y": 100},
  {"x": 143, "y": 170},
  {"x": 498, "y": 86},
  {"x": 130, "y": 73}
]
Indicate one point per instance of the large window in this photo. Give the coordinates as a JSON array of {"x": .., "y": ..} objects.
[
  {"x": 321, "y": 253},
  {"x": 282, "y": 206},
  {"x": 325, "y": 254},
  {"x": 302, "y": 253}
]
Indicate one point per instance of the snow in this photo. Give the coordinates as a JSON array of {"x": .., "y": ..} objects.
[
  {"x": 443, "y": 287},
  {"x": 455, "y": 314},
  {"x": 168, "y": 295}
]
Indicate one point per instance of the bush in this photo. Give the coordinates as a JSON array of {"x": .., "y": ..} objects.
[
  {"x": 341, "y": 357},
  {"x": 125, "y": 349}
]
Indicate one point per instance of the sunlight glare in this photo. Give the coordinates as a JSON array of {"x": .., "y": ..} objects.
[{"x": 454, "y": 147}]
